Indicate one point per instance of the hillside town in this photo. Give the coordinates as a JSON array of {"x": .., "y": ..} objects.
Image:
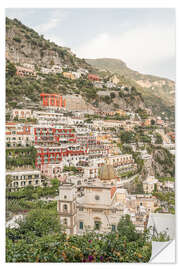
[
  {"x": 90, "y": 162},
  {"x": 84, "y": 154}
]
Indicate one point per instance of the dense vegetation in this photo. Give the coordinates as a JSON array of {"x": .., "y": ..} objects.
[
  {"x": 20, "y": 157},
  {"x": 40, "y": 238}
]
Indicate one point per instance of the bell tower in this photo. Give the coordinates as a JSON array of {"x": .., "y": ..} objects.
[{"x": 66, "y": 207}]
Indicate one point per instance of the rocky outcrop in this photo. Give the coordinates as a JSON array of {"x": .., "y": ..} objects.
[{"x": 163, "y": 162}]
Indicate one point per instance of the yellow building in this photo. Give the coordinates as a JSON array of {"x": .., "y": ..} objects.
[
  {"x": 69, "y": 75},
  {"x": 114, "y": 79}
]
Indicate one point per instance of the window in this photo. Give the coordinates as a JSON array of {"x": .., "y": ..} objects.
[
  {"x": 65, "y": 207},
  {"x": 81, "y": 209},
  {"x": 97, "y": 197},
  {"x": 113, "y": 228},
  {"x": 97, "y": 225},
  {"x": 81, "y": 225},
  {"x": 65, "y": 221},
  {"x": 65, "y": 197},
  {"x": 140, "y": 203}
]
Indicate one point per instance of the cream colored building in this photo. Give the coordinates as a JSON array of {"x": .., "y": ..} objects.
[
  {"x": 21, "y": 178},
  {"x": 150, "y": 184}
]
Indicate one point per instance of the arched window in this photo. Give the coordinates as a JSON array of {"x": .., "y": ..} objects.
[
  {"x": 65, "y": 207},
  {"x": 65, "y": 221}
]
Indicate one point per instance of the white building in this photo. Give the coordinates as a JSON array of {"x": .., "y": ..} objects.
[
  {"x": 21, "y": 178},
  {"x": 21, "y": 113}
]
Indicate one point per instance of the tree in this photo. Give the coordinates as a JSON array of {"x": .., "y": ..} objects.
[
  {"x": 55, "y": 183},
  {"x": 152, "y": 122},
  {"x": 112, "y": 95},
  {"x": 159, "y": 139},
  {"x": 127, "y": 228},
  {"x": 10, "y": 70},
  {"x": 40, "y": 222}
]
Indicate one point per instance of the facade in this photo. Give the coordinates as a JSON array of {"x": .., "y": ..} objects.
[
  {"x": 18, "y": 135},
  {"x": 114, "y": 79},
  {"x": 93, "y": 211},
  {"x": 151, "y": 184},
  {"x": 22, "y": 71},
  {"x": 49, "y": 135},
  {"x": 21, "y": 114},
  {"x": 93, "y": 77},
  {"x": 21, "y": 178},
  {"x": 67, "y": 208},
  {"x": 69, "y": 75},
  {"x": 55, "y": 154},
  {"x": 52, "y": 100}
]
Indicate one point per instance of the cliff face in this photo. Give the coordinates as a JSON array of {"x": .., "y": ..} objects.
[
  {"x": 24, "y": 45},
  {"x": 163, "y": 163},
  {"x": 158, "y": 93}
]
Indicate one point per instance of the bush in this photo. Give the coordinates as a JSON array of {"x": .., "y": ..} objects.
[
  {"x": 25, "y": 244},
  {"x": 17, "y": 39}
]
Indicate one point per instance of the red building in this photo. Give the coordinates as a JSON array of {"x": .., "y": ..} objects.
[
  {"x": 49, "y": 136},
  {"x": 22, "y": 71},
  {"x": 52, "y": 100},
  {"x": 54, "y": 155},
  {"x": 93, "y": 77}
]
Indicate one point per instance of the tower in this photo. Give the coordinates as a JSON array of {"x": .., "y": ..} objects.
[{"x": 66, "y": 207}]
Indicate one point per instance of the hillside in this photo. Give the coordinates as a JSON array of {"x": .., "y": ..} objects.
[
  {"x": 157, "y": 92},
  {"x": 25, "y": 46}
]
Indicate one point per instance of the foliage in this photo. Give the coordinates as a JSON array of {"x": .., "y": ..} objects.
[
  {"x": 19, "y": 157},
  {"x": 10, "y": 70},
  {"x": 70, "y": 168},
  {"x": 127, "y": 137},
  {"x": 159, "y": 139},
  {"x": 17, "y": 39},
  {"x": 112, "y": 95},
  {"x": 40, "y": 222},
  {"x": 142, "y": 113},
  {"x": 125, "y": 245},
  {"x": 163, "y": 179}
]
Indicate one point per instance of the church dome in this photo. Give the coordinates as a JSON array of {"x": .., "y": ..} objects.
[{"x": 107, "y": 172}]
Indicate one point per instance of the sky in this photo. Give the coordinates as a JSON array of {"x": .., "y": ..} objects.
[{"x": 143, "y": 38}]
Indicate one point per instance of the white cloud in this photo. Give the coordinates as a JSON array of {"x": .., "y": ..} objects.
[
  {"x": 139, "y": 47},
  {"x": 55, "y": 19}
]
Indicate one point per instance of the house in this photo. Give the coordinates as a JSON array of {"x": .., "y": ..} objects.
[
  {"x": 18, "y": 135},
  {"x": 77, "y": 75},
  {"x": 110, "y": 84},
  {"x": 29, "y": 66},
  {"x": 56, "y": 69},
  {"x": 93, "y": 77},
  {"x": 46, "y": 70},
  {"x": 21, "y": 113},
  {"x": 22, "y": 71},
  {"x": 114, "y": 79},
  {"x": 69, "y": 75},
  {"x": 23, "y": 177},
  {"x": 151, "y": 184}
]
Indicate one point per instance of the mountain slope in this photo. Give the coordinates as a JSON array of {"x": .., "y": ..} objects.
[
  {"x": 25, "y": 46},
  {"x": 157, "y": 92}
]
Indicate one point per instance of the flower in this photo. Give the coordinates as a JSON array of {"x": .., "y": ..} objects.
[
  {"x": 90, "y": 258},
  {"x": 89, "y": 241},
  {"x": 101, "y": 258}
]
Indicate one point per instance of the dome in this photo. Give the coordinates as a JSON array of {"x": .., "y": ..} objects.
[{"x": 107, "y": 172}]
